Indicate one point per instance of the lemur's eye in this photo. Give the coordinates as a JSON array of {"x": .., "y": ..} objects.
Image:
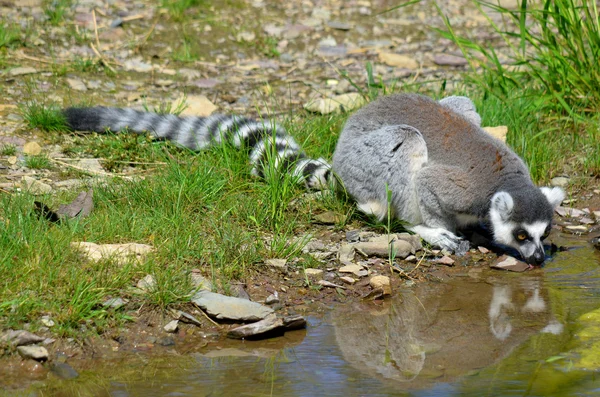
[
  {"x": 522, "y": 236},
  {"x": 546, "y": 234}
]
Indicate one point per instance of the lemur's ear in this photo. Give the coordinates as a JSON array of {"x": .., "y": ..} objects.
[
  {"x": 554, "y": 195},
  {"x": 502, "y": 204}
]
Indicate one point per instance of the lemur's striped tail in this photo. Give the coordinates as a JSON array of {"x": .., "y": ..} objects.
[{"x": 266, "y": 142}]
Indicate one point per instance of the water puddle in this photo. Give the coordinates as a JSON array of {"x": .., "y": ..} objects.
[{"x": 483, "y": 333}]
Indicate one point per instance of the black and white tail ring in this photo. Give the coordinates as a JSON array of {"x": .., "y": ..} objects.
[{"x": 268, "y": 144}]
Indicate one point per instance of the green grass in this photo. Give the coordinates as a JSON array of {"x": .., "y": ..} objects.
[
  {"x": 178, "y": 8},
  {"x": 37, "y": 162},
  {"x": 45, "y": 117},
  {"x": 199, "y": 210},
  {"x": 9, "y": 35},
  {"x": 8, "y": 150},
  {"x": 549, "y": 93},
  {"x": 56, "y": 11}
]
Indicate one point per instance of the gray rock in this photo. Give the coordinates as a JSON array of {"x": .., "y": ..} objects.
[
  {"x": 115, "y": 303},
  {"x": 20, "y": 338},
  {"x": 171, "y": 326},
  {"x": 269, "y": 323},
  {"x": 36, "y": 187},
  {"x": 272, "y": 299},
  {"x": 313, "y": 272},
  {"x": 239, "y": 291},
  {"x": 330, "y": 284},
  {"x": 294, "y": 322},
  {"x": 449, "y": 60},
  {"x": 229, "y": 308},
  {"x": 402, "y": 248},
  {"x": 506, "y": 262},
  {"x": 22, "y": 71},
  {"x": 560, "y": 181},
  {"x": 346, "y": 254},
  {"x": 47, "y": 321},
  {"x": 188, "y": 318},
  {"x": 278, "y": 263},
  {"x": 37, "y": 353},
  {"x": 339, "y": 25},
  {"x": 63, "y": 370},
  {"x": 199, "y": 281},
  {"x": 147, "y": 284}
]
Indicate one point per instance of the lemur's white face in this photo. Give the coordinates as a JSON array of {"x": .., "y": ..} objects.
[{"x": 527, "y": 238}]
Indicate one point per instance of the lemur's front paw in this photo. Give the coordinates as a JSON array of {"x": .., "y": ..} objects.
[{"x": 443, "y": 239}]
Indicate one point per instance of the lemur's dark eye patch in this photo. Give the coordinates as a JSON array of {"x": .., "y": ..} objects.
[
  {"x": 521, "y": 235},
  {"x": 547, "y": 232}
]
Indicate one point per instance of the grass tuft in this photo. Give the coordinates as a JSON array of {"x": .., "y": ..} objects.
[
  {"x": 553, "y": 47},
  {"x": 9, "y": 35},
  {"x": 37, "y": 162},
  {"x": 8, "y": 150},
  {"x": 45, "y": 117}
]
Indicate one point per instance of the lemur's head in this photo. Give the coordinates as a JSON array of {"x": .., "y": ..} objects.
[{"x": 523, "y": 220}]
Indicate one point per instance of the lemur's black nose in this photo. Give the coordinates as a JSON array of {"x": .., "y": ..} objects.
[{"x": 537, "y": 258}]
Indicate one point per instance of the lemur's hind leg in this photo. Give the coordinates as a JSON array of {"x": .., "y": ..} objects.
[
  {"x": 444, "y": 195},
  {"x": 463, "y": 106},
  {"x": 388, "y": 157}
]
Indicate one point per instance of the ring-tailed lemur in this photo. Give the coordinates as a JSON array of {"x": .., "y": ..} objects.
[
  {"x": 443, "y": 170},
  {"x": 444, "y": 173}
]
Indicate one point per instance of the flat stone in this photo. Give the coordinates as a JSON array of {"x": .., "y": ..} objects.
[
  {"x": 509, "y": 263},
  {"x": 346, "y": 254},
  {"x": 348, "y": 280},
  {"x": 336, "y": 104},
  {"x": 381, "y": 282},
  {"x": 569, "y": 212},
  {"x": 229, "y": 308},
  {"x": 272, "y": 299},
  {"x": 339, "y": 25},
  {"x": 560, "y": 181},
  {"x": 197, "y": 105},
  {"x": 313, "y": 272},
  {"x": 269, "y": 323},
  {"x": 398, "y": 60},
  {"x": 147, "y": 284},
  {"x": 122, "y": 253},
  {"x": 38, "y": 353},
  {"x": 329, "y": 284},
  {"x": 445, "y": 260},
  {"x": 115, "y": 303},
  {"x": 353, "y": 268},
  {"x": 20, "y": 338},
  {"x": 76, "y": 84},
  {"x": 91, "y": 165},
  {"x": 577, "y": 228},
  {"x": 171, "y": 326},
  {"x": 329, "y": 218},
  {"x": 278, "y": 263},
  {"x": 483, "y": 250},
  {"x": 32, "y": 148},
  {"x": 449, "y": 60},
  {"x": 22, "y": 71},
  {"x": 199, "y": 281},
  {"x": 402, "y": 248},
  {"x": 187, "y": 318},
  {"x": 36, "y": 187}
]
